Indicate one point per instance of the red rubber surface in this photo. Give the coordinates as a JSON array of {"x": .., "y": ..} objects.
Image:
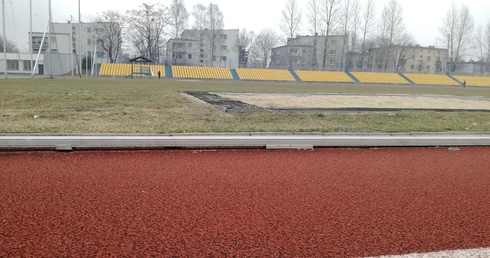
[{"x": 323, "y": 203}]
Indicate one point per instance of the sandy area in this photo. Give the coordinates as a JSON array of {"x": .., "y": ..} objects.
[{"x": 326, "y": 101}]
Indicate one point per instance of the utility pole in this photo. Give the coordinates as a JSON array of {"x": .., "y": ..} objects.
[
  {"x": 79, "y": 35},
  {"x": 30, "y": 31},
  {"x": 4, "y": 39},
  {"x": 50, "y": 40}
]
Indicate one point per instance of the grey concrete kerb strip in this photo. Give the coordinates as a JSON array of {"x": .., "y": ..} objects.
[{"x": 248, "y": 140}]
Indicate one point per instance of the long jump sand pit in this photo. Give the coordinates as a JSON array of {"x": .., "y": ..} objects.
[{"x": 359, "y": 102}]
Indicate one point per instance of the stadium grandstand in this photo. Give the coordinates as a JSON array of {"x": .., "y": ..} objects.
[
  {"x": 473, "y": 80},
  {"x": 252, "y": 74},
  {"x": 324, "y": 76},
  {"x": 382, "y": 78},
  {"x": 431, "y": 79},
  {"x": 124, "y": 70},
  {"x": 197, "y": 72}
]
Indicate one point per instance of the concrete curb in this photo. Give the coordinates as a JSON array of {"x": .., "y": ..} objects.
[{"x": 242, "y": 140}]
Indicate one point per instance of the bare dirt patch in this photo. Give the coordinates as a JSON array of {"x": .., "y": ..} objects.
[{"x": 360, "y": 102}]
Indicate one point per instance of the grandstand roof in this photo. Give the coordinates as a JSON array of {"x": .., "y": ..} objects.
[{"x": 140, "y": 59}]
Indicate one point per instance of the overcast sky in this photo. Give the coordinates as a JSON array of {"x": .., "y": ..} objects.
[{"x": 422, "y": 17}]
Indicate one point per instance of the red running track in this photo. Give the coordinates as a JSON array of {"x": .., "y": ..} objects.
[{"x": 320, "y": 203}]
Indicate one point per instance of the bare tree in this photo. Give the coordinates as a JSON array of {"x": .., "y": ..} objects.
[
  {"x": 291, "y": 20},
  {"x": 244, "y": 44},
  {"x": 200, "y": 17},
  {"x": 456, "y": 31},
  {"x": 479, "y": 44},
  {"x": 392, "y": 30},
  {"x": 147, "y": 28},
  {"x": 11, "y": 47},
  {"x": 266, "y": 40},
  {"x": 314, "y": 16},
  {"x": 354, "y": 34},
  {"x": 345, "y": 27},
  {"x": 108, "y": 28},
  {"x": 464, "y": 31},
  {"x": 487, "y": 40},
  {"x": 214, "y": 35},
  {"x": 314, "y": 25},
  {"x": 368, "y": 18},
  {"x": 392, "y": 23},
  {"x": 481, "y": 47},
  {"x": 331, "y": 12},
  {"x": 178, "y": 17}
]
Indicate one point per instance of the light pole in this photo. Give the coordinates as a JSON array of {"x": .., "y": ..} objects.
[
  {"x": 30, "y": 34},
  {"x": 4, "y": 39}
]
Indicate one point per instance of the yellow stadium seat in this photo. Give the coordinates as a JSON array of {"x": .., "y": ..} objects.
[
  {"x": 197, "y": 72},
  {"x": 431, "y": 79},
  {"x": 386, "y": 78},
  {"x": 324, "y": 76},
  {"x": 474, "y": 80},
  {"x": 264, "y": 74}
]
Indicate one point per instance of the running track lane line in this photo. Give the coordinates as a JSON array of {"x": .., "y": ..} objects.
[
  {"x": 467, "y": 253},
  {"x": 242, "y": 140}
]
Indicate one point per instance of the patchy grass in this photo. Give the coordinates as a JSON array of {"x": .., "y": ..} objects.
[{"x": 153, "y": 106}]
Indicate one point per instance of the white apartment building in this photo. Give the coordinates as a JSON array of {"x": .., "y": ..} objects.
[
  {"x": 308, "y": 53},
  {"x": 194, "y": 48},
  {"x": 70, "y": 44}
]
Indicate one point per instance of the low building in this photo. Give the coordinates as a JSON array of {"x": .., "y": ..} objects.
[
  {"x": 202, "y": 48},
  {"x": 309, "y": 53},
  {"x": 20, "y": 64}
]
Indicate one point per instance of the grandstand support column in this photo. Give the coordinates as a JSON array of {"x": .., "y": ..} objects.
[{"x": 4, "y": 39}]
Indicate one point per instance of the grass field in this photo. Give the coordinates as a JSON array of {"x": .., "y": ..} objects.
[{"x": 159, "y": 107}]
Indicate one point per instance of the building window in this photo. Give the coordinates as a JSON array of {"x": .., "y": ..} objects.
[
  {"x": 189, "y": 56},
  {"x": 202, "y": 56},
  {"x": 13, "y": 65},
  {"x": 412, "y": 67},
  {"x": 334, "y": 42},
  {"x": 202, "y": 50},
  {"x": 224, "y": 47},
  {"x": 224, "y": 36},
  {"x": 177, "y": 56},
  {"x": 223, "y": 58},
  {"x": 89, "y": 41},
  {"x": 333, "y": 52},
  {"x": 189, "y": 45},
  {"x": 428, "y": 58},
  {"x": 27, "y": 65},
  {"x": 428, "y": 67},
  {"x": 333, "y": 63}
]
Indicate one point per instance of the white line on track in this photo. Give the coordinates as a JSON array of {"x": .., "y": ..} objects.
[{"x": 467, "y": 253}]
